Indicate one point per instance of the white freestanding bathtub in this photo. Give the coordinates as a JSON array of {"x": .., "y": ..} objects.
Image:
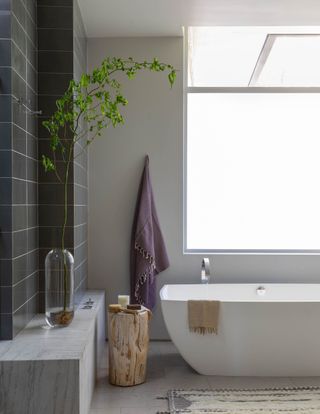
[{"x": 271, "y": 331}]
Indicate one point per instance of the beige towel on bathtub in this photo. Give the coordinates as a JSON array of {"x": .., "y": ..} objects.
[{"x": 203, "y": 316}]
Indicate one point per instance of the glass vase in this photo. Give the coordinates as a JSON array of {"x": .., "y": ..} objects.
[{"x": 59, "y": 275}]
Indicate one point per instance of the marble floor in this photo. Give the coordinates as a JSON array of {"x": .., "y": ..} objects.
[{"x": 166, "y": 370}]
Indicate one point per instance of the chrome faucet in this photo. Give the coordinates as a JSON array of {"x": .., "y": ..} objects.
[{"x": 205, "y": 270}]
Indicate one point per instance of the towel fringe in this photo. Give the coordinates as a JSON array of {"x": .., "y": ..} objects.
[
  {"x": 143, "y": 278},
  {"x": 203, "y": 331}
]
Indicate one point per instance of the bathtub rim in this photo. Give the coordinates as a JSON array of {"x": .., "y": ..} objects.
[{"x": 255, "y": 299}]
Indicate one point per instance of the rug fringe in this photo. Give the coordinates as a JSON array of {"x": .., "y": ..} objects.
[{"x": 305, "y": 388}]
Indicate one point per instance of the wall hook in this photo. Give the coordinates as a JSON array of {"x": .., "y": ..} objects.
[{"x": 27, "y": 111}]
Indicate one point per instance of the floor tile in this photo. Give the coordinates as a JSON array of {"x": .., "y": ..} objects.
[{"x": 167, "y": 370}]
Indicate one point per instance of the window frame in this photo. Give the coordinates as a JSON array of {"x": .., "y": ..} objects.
[{"x": 246, "y": 89}]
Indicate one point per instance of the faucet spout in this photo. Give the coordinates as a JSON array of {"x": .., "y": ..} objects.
[{"x": 205, "y": 270}]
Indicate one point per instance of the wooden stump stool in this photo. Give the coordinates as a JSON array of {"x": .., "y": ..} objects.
[{"x": 128, "y": 346}]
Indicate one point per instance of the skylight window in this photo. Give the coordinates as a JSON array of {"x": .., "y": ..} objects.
[
  {"x": 288, "y": 60},
  {"x": 257, "y": 56}
]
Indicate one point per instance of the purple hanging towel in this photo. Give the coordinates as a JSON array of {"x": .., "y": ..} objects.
[{"x": 148, "y": 251}]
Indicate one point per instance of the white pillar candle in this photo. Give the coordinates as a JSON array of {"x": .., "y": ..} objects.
[{"x": 123, "y": 300}]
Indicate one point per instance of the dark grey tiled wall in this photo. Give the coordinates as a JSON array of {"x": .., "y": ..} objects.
[
  {"x": 61, "y": 57},
  {"x": 80, "y": 166},
  {"x": 18, "y": 166},
  {"x": 29, "y": 224}
]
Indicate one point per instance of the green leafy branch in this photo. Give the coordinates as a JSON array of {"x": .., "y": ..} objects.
[{"x": 87, "y": 108}]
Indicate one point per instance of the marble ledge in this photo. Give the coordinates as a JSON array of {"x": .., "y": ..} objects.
[
  {"x": 36, "y": 342},
  {"x": 53, "y": 371}
]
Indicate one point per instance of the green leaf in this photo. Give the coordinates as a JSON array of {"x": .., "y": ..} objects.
[
  {"x": 48, "y": 164},
  {"x": 172, "y": 77}
]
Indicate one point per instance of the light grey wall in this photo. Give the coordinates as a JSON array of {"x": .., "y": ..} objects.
[{"x": 154, "y": 125}]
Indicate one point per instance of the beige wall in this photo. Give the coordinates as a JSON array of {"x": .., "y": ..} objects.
[{"x": 154, "y": 125}]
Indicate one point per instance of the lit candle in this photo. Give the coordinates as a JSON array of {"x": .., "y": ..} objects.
[{"x": 123, "y": 300}]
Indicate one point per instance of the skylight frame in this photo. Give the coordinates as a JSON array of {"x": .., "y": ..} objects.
[{"x": 265, "y": 53}]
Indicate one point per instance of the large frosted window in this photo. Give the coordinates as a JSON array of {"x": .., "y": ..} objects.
[
  {"x": 253, "y": 179},
  {"x": 252, "y": 156}
]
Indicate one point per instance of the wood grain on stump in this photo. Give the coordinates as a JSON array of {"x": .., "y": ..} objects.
[{"x": 128, "y": 347}]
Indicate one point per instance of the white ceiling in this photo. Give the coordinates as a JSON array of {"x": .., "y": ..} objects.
[{"x": 129, "y": 18}]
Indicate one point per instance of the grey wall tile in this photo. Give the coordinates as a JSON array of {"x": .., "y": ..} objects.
[
  {"x": 30, "y": 29},
  {"x": 55, "y": 39},
  {"x": 32, "y": 169},
  {"x": 24, "y": 290},
  {"x": 51, "y": 237},
  {"x": 32, "y": 190},
  {"x": 32, "y": 284},
  {"x": 19, "y": 88},
  {"x": 18, "y": 35},
  {"x": 5, "y": 5},
  {"x": 20, "y": 319},
  {"x": 32, "y": 77},
  {"x": 33, "y": 306},
  {"x": 18, "y": 61},
  {"x": 18, "y": 9},
  {"x": 19, "y": 165},
  {"x": 5, "y": 81},
  {"x": 5, "y": 164},
  {"x": 55, "y": 62},
  {"x": 19, "y": 243},
  {"x": 42, "y": 257},
  {"x": 19, "y": 268},
  {"x": 80, "y": 214},
  {"x": 19, "y": 295},
  {"x": 19, "y": 114},
  {"x": 47, "y": 104},
  {"x": 6, "y": 299},
  {"x": 32, "y": 146},
  {"x": 19, "y": 191},
  {"x": 54, "y": 193},
  {"x": 5, "y": 109},
  {"x": 31, "y": 53},
  {"x": 5, "y": 245},
  {"x": 5, "y": 52},
  {"x": 5, "y": 136},
  {"x": 19, "y": 217},
  {"x": 32, "y": 237},
  {"x": 32, "y": 215},
  {"x": 53, "y": 215},
  {"x": 32, "y": 261},
  {"x": 5, "y": 273},
  {"x": 6, "y": 191},
  {"x": 80, "y": 234},
  {"x": 31, "y": 7},
  {"x": 5, "y": 24},
  {"x": 5, "y": 218},
  {"x": 54, "y": 83},
  {"x": 6, "y": 331},
  {"x": 23, "y": 315},
  {"x": 18, "y": 139},
  {"x": 55, "y": 17},
  {"x": 64, "y": 3}
]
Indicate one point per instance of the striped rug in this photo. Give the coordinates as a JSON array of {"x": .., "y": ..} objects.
[{"x": 304, "y": 400}]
